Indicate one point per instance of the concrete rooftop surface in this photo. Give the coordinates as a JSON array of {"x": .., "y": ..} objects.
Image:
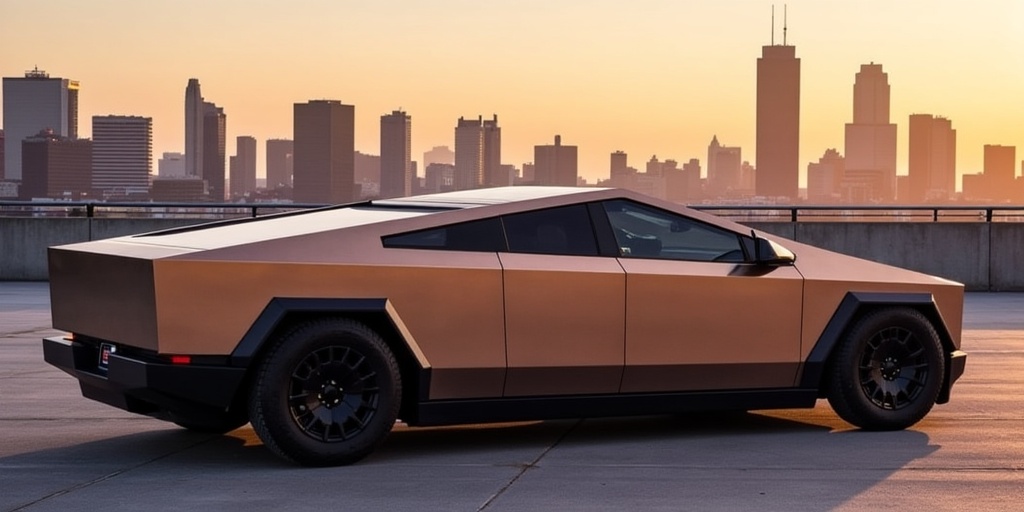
[{"x": 60, "y": 451}]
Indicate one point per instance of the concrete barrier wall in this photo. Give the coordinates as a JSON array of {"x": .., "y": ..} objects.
[
  {"x": 983, "y": 256},
  {"x": 23, "y": 240}
]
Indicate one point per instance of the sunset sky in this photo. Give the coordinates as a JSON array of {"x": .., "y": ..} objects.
[{"x": 647, "y": 77}]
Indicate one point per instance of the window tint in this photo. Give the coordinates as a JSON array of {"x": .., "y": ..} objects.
[
  {"x": 481, "y": 236},
  {"x": 565, "y": 230},
  {"x": 644, "y": 232}
]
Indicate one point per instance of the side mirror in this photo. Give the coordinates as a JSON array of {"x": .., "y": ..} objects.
[{"x": 767, "y": 252}]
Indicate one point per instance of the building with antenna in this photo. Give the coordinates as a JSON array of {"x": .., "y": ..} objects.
[{"x": 778, "y": 119}]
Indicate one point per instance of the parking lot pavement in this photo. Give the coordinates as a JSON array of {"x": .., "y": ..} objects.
[{"x": 59, "y": 451}]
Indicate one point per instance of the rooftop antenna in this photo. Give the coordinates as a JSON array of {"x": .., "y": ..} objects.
[
  {"x": 784, "y": 6},
  {"x": 773, "y": 24}
]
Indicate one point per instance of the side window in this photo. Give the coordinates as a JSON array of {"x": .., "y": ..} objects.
[
  {"x": 644, "y": 232},
  {"x": 480, "y": 236},
  {"x": 565, "y": 230}
]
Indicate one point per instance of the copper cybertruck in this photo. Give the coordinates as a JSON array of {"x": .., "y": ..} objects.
[{"x": 323, "y": 327}]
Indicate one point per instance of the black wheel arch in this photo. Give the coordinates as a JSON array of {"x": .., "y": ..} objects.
[
  {"x": 856, "y": 304},
  {"x": 281, "y": 313}
]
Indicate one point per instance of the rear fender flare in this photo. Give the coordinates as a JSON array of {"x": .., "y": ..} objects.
[{"x": 378, "y": 313}]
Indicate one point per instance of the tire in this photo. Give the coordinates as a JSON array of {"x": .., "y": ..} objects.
[
  {"x": 326, "y": 394},
  {"x": 887, "y": 371}
]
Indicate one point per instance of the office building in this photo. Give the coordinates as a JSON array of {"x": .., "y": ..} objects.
[
  {"x": 243, "y": 167},
  {"x": 186, "y": 189},
  {"x": 171, "y": 165},
  {"x": 932, "y": 162},
  {"x": 396, "y": 172},
  {"x": 824, "y": 178},
  {"x": 870, "y": 160},
  {"x": 122, "y": 155},
  {"x": 1000, "y": 174},
  {"x": 1, "y": 155},
  {"x": 555, "y": 164},
  {"x": 215, "y": 126},
  {"x": 34, "y": 103},
  {"x": 724, "y": 165},
  {"x": 324, "y": 158},
  {"x": 55, "y": 167},
  {"x": 478, "y": 154},
  {"x": 279, "y": 163},
  {"x": 778, "y": 122}
]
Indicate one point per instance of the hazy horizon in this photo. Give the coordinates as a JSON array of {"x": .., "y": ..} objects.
[{"x": 657, "y": 77}]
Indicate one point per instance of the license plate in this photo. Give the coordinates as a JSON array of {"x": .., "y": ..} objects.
[{"x": 105, "y": 350}]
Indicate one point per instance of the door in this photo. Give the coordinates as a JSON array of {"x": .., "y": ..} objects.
[
  {"x": 699, "y": 314},
  {"x": 564, "y": 306}
]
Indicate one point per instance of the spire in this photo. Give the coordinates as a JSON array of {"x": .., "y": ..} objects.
[{"x": 784, "y": 9}]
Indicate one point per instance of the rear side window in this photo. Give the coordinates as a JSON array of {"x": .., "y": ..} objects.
[
  {"x": 566, "y": 230},
  {"x": 480, "y": 236}
]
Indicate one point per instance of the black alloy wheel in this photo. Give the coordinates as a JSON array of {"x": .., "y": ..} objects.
[
  {"x": 894, "y": 368},
  {"x": 326, "y": 393},
  {"x": 333, "y": 393},
  {"x": 887, "y": 370}
]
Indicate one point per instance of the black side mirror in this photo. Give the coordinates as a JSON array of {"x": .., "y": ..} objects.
[{"x": 767, "y": 252}]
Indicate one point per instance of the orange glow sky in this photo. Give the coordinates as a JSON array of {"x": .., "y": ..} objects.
[{"x": 647, "y": 77}]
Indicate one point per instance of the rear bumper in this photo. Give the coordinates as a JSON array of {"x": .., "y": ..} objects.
[{"x": 145, "y": 387}]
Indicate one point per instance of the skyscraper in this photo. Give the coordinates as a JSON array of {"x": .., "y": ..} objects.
[
  {"x": 396, "y": 173},
  {"x": 215, "y": 127},
  {"x": 555, "y": 164},
  {"x": 122, "y": 154},
  {"x": 1, "y": 155},
  {"x": 494, "y": 175},
  {"x": 279, "y": 163},
  {"x": 932, "y": 158},
  {"x": 871, "y": 139},
  {"x": 469, "y": 153},
  {"x": 243, "y": 167},
  {"x": 55, "y": 167},
  {"x": 34, "y": 103},
  {"x": 478, "y": 154},
  {"x": 194, "y": 114},
  {"x": 778, "y": 122},
  {"x": 324, "y": 133}
]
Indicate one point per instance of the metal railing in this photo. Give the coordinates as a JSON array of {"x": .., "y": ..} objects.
[
  {"x": 130, "y": 209},
  {"x": 867, "y": 213},
  {"x": 750, "y": 213}
]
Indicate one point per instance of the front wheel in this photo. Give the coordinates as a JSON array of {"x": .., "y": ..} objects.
[
  {"x": 887, "y": 371},
  {"x": 326, "y": 393}
]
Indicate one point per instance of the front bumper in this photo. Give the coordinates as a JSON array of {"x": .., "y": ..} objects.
[
  {"x": 954, "y": 370},
  {"x": 144, "y": 387}
]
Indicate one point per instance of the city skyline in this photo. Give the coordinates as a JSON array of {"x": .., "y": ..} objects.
[{"x": 604, "y": 79}]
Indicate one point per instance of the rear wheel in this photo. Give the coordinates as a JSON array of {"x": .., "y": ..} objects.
[
  {"x": 326, "y": 393},
  {"x": 887, "y": 371}
]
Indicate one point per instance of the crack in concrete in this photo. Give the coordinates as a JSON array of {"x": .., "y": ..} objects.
[{"x": 529, "y": 465}]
